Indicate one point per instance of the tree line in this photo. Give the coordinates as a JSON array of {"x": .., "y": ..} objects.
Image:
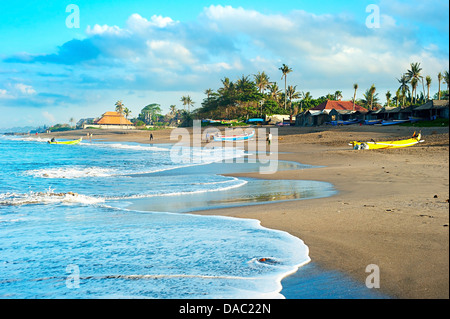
[{"x": 256, "y": 96}]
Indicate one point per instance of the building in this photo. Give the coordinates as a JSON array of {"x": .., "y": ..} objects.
[
  {"x": 329, "y": 111},
  {"x": 433, "y": 109},
  {"x": 112, "y": 120}
]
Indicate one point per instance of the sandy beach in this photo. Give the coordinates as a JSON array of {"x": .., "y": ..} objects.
[{"x": 391, "y": 209}]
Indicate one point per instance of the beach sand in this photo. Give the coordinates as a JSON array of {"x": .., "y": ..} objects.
[{"x": 391, "y": 209}]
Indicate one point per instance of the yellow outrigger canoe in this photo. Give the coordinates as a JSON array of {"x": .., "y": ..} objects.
[
  {"x": 67, "y": 142},
  {"x": 372, "y": 145}
]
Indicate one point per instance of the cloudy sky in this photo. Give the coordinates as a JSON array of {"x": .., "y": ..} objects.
[{"x": 146, "y": 51}]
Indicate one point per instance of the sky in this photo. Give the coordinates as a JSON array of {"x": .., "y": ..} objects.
[{"x": 76, "y": 58}]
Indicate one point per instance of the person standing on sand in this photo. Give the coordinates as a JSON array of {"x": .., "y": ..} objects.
[
  {"x": 151, "y": 137},
  {"x": 269, "y": 138}
]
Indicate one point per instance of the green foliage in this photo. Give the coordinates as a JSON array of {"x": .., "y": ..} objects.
[{"x": 150, "y": 113}]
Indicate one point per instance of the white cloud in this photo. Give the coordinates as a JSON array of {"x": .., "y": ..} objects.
[
  {"x": 25, "y": 89},
  {"x": 103, "y": 30},
  {"x": 4, "y": 94}
]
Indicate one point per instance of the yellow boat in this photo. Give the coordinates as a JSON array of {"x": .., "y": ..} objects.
[
  {"x": 67, "y": 142},
  {"x": 372, "y": 145}
]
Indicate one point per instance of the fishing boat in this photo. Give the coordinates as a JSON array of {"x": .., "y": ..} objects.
[
  {"x": 243, "y": 137},
  {"x": 348, "y": 122},
  {"x": 74, "y": 142},
  {"x": 393, "y": 122},
  {"x": 372, "y": 122},
  {"x": 372, "y": 145},
  {"x": 413, "y": 119}
]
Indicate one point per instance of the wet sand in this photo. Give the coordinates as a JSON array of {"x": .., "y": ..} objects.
[{"x": 391, "y": 209}]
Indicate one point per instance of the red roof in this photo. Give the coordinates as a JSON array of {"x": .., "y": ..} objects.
[
  {"x": 338, "y": 105},
  {"x": 113, "y": 118}
]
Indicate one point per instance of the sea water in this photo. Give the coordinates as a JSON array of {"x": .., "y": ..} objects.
[{"x": 111, "y": 220}]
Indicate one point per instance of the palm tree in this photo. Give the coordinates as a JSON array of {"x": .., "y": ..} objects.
[
  {"x": 447, "y": 80},
  {"x": 183, "y": 99},
  {"x": 189, "y": 102},
  {"x": 127, "y": 112},
  {"x": 71, "y": 121},
  {"x": 173, "y": 109},
  {"x": 369, "y": 98},
  {"x": 285, "y": 70},
  {"x": 262, "y": 81},
  {"x": 337, "y": 95},
  {"x": 292, "y": 94},
  {"x": 307, "y": 97},
  {"x": 372, "y": 94},
  {"x": 414, "y": 82},
  {"x": 414, "y": 73},
  {"x": 439, "y": 80},
  {"x": 119, "y": 107},
  {"x": 428, "y": 80},
  {"x": 355, "y": 86},
  {"x": 208, "y": 93},
  {"x": 274, "y": 91},
  {"x": 388, "y": 98},
  {"x": 397, "y": 97},
  {"x": 403, "y": 87}
]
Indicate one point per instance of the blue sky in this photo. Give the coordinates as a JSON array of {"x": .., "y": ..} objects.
[{"x": 144, "y": 52}]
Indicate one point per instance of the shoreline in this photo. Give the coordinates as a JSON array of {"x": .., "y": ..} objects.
[{"x": 391, "y": 208}]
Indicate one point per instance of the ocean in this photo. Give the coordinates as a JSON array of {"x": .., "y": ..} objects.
[{"x": 114, "y": 220}]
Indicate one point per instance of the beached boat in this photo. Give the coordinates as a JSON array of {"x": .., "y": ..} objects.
[
  {"x": 414, "y": 119},
  {"x": 348, "y": 122},
  {"x": 372, "y": 122},
  {"x": 372, "y": 145},
  {"x": 393, "y": 122},
  {"x": 220, "y": 138},
  {"x": 67, "y": 142}
]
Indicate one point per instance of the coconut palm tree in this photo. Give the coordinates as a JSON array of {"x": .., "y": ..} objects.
[
  {"x": 119, "y": 107},
  {"x": 274, "y": 91},
  {"x": 292, "y": 94},
  {"x": 447, "y": 80},
  {"x": 388, "y": 98},
  {"x": 439, "y": 80},
  {"x": 208, "y": 93},
  {"x": 403, "y": 87},
  {"x": 127, "y": 112},
  {"x": 337, "y": 95},
  {"x": 173, "y": 109},
  {"x": 285, "y": 70},
  {"x": 397, "y": 97},
  {"x": 372, "y": 94},
  {"x": 428, "y": 80},
  {"x": 262, "y": 81},
  {"x": 189, "y": 102},
  {"x": 414, "y": 73},
  {"x": 414, "y": 82},
  {"x": 355, "y": 86},
  {"x": 71, "y": 120}
]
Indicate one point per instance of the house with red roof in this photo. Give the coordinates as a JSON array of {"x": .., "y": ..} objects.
[
  {"x": 329, "y": 105},
  {"x": 111, "y": 120},
  {"x": 329, "y": 111}
]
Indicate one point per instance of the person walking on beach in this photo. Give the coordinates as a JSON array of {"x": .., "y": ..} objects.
[
  {"x": 269, "y": 138},
  {"x": 151, "y": 137}
]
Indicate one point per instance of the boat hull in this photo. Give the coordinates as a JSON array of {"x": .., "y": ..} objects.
[
  {"x": 394, "y": 122},
  {"x": 386, "y": 144},
  {"x": 234, "y": 137},
  {"x": 67, "y": 142}
]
